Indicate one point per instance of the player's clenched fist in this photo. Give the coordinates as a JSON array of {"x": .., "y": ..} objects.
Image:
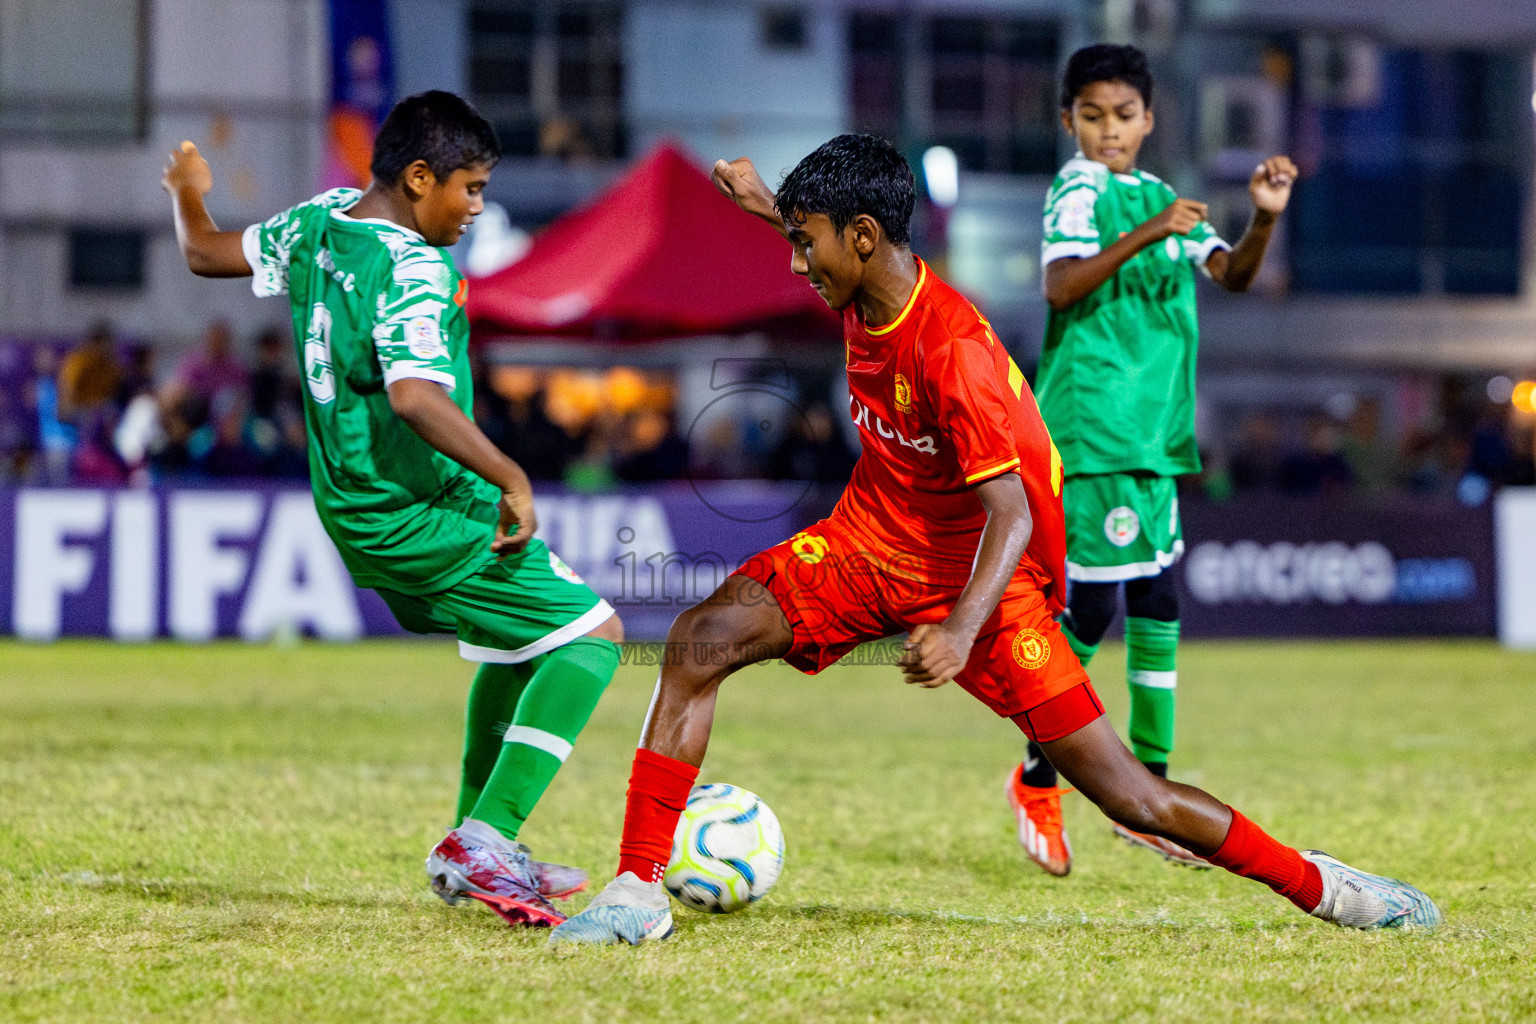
[
  {"x": 1271, "y": 184},
  {"x": 1178, "y": 218},
  {"x": 187, "y": 169},
  {"x": 932, "y": 655},
  {"x": 739, "y": 180}
]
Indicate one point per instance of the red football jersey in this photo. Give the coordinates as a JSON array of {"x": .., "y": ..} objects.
[{"x": 940, "y": 407}]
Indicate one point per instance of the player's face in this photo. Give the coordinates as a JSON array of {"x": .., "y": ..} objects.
[
  {"x": 1109, "y": 121},
  {"x": 829, "y": 259},
  {"x": 447, "y": 208}
]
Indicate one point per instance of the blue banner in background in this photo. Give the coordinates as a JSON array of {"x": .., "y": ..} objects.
[{"x": 362, "y": 88}]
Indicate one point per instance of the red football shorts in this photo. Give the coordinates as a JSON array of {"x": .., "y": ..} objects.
[{"x": 836, "y": 592}]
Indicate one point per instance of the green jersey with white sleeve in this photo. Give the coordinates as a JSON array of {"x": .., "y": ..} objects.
[
  {"x": 373, "y": 303},
  {"x": 1116, "y": 382}
]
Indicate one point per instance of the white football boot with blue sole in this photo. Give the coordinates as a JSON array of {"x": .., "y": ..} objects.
[
  {"x": 1354, "y": 899},
  {"x": 627, "y": 910}
]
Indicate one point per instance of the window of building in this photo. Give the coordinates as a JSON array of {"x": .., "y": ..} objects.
[
  {"x": 550, "y": 76},
  {"x": 107, "y": 258},
  {"x": 784, "y": 28},
  {"x": 48, "y": 91},
  {"x": 1417, "y": 167},
  {"x": 983, "y": 86}
]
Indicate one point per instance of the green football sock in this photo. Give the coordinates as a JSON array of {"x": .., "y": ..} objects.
[
  {"x": 1084, "y": 652},
  {"x": 1151, "y": 670},
  {"x": 492, "y": 698},
  {"x": 554, "y": 706}
]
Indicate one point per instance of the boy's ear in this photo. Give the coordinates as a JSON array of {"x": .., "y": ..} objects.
[
  {"x": 1066, "y": 121},
  {"x": 866, "y": 235},
  {"x": 417, "y": 179},
  {"x": 1151, "y": 121}
]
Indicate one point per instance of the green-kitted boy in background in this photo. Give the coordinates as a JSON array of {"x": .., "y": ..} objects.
[{"x": 1116, "y": 386}]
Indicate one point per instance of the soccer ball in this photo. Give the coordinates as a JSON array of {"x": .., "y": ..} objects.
[{"x": 727, "y": 852}]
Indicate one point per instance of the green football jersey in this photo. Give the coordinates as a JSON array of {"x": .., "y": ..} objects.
[
  {"x": 373, "y": 303},
  {"x": 1116, "y": 383}
]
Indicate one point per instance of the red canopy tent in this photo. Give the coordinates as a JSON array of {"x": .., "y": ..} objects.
[{"x": 660, "y": 254}]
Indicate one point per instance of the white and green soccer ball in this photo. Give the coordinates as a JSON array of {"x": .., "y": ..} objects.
[{"x": 727, "y": 852}]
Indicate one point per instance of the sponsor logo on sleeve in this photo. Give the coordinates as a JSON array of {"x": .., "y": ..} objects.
[{"x": 424, "y": 338}]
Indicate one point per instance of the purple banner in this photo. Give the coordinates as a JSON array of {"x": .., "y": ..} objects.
[
  {"x": 1338, "y": 567},
  {"x": 254, "y": 561}
]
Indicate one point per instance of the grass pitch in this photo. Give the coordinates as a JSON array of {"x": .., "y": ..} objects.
[{"x": 236, "y": 834}]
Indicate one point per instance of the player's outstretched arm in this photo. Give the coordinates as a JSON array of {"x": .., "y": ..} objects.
[
  {"x": 1071, "y": 279},
  {"x": 209, "y": 252},
  {"x": 1270, "y": 187},
  {"x": 739, "y": 181},
  {"x": 426, "y": 408},
  {"x": 935, "y": 653}
]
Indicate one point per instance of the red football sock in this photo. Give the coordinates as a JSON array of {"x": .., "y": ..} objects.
[
  {"x": 658, "y": 790},
  {"x": 1251, "y": 852}
]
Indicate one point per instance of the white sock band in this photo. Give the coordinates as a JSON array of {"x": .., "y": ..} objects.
[
  {"x": 539, "y": 739},
  {"x": 1155, "y": 680}
]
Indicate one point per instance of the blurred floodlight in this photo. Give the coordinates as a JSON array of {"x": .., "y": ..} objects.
[
  {"x": 1524, "y": 396},
  {"x": 494, "y": 242},
  {"x": 1500, "y": 389},
  {"x": 941, "y": 170}
]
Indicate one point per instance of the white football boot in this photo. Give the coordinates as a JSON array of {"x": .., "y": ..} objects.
[
  {"x": 627, "y": 910},
  {"x": 1354, "y": 899}
]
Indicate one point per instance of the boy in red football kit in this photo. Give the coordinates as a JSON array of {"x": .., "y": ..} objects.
[{"x": 951, "y": 529}]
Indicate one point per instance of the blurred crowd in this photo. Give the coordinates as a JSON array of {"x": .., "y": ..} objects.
[
  {"x": 102, "y": 412},
  {"x": 595, "y": 429},
  {"x": 1465, "y": 446}
]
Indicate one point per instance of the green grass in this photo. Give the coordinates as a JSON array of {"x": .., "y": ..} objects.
[{"x": 236, "y": 834}]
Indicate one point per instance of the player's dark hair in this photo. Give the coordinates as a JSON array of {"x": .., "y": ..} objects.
[
  {"x": 1106, "y": 62},
  {"x": 847, "y": 176},
  {"x": 438, "y": 127}
]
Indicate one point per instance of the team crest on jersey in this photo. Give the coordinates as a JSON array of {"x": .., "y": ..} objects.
[
  {"x": 903, "y": 394},
  {"x": 424, "y": 339},
  {"x": 562, "y": 570},
  {"x": 808, "y": 547},
  {"x": 1031, "y": 649},
  {"x": 1122, "y": 526}
]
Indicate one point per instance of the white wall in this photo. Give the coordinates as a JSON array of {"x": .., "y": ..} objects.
[
  {"x": 698, "y": 72},
  {"x": 246, "y": 80}
]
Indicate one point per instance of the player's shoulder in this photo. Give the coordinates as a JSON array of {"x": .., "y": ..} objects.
[
  {"x": 1150, "y": 180},
  {"x": 416, "y": 262},
  {"x": 953, "y": 321},
  {"x": 1080, "y": 172}
]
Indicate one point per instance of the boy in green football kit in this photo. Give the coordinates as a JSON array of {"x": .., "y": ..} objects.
[
  {"x": 422, "y": 507},
  {"x": 1116, "y": 387}
]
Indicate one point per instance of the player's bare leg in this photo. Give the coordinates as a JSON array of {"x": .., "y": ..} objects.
[
  {"x": 740, "y": 624},
  {"x": 1095, "y": 761}
]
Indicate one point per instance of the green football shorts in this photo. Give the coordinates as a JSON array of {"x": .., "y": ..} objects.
[
  {"x": 1121, "y": 526},
  {"x": 508, "y": 611}
]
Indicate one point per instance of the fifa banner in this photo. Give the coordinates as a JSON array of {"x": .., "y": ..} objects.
[
  {"x": 254, "y": 562},
  {"x": 1337, "y": 566}
]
